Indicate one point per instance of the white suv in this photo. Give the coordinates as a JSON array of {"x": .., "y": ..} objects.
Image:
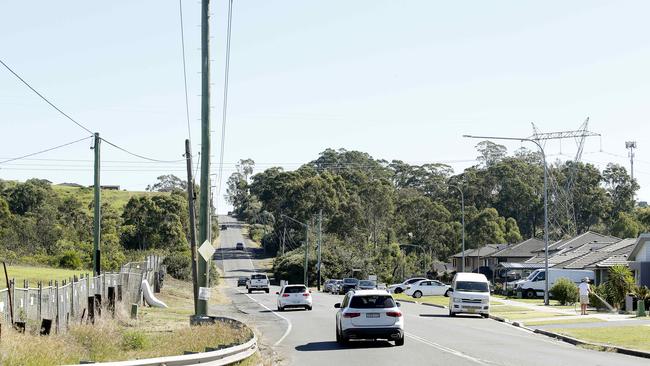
[
  {"x": 294, "y": 296},
  {"x": 258, "y": 282},
  {"x": 369, "y": 314}
]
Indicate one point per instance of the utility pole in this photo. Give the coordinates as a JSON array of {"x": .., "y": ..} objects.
[
  {"x": 204, "y": 207},
  {"x": 631, "y": 145},
  {"x": 190, "y": 201},
  {"x": 284, "y": 237},
  {"x": 97, "y": 216},
  {"x": 462, "y": 213},
  {"x": 320, "y": 243},
  {"x": 306, "y": 226}
]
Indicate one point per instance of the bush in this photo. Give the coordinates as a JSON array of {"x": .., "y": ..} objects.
[
  {"x": 179, "y": 265},
  {"x": 256, "y": 232},
  {"x": 594, "y": 300},
  {"x": 70, "y": 259},
  {"x": 565, "y": 291},
  {"x": 619, "y": 283}
]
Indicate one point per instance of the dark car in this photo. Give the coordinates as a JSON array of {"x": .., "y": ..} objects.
[
  {"x": 239, "y": 246},
  {"x": 349, "y": 284},
  {"x": 224, "y": 227},
  {"x": 241, "y": 281}
]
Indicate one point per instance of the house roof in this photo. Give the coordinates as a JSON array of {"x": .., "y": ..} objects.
[
  {"x": 612, "y": 261},
  {"x": 517, "y": 265},
  {"x": 524, "y": 249},
  {"x": 484, "y": 251},
  {"x": 588, "y": 255},
  {"x": 639, "y": 243},
  {"x": 580, "y": 240}
]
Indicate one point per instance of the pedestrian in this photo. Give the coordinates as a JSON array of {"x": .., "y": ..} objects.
[{"x": 585, "y": 290}]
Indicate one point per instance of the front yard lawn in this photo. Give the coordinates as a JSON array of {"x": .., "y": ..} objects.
[
  {"x": 635, "y": 337},
  {"x": 437, "y": 300}
]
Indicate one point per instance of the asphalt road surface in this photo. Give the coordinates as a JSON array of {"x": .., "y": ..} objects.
[{"x": 299, "y": 337}]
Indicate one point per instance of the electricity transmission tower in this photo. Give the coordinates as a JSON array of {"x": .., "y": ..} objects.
[{"x": 561, "y": 214}]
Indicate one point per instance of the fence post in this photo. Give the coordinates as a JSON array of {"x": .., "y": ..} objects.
[
  {"x": 25, "y": 300},
  {"x": 39, "y": 306},
  {"x": 72, "y": 296},
  {"x": 56, "y": 296}
]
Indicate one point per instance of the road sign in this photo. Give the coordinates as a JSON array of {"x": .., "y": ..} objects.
[
  {"x": 204, "y": 293},
  {"x": 206, "y": 250}
]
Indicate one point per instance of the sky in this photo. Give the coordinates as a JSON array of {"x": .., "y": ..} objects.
[{"x": 396, "y": 79}]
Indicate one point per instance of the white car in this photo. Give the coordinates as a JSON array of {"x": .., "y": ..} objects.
[
  {"x": 258, "y": 282},
  {"x": 294, "y": 296},
  {"x": 369, "y": 314},
  {"x": 398, "y": 288},
  {"x": 427, "y": 288}
]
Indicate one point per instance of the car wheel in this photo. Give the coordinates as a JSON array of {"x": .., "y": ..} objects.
[
  {"x": 398, "y": 290},
  {"x": 417, "y": 294},
  {"x": 308, "y": 308},
  {"x": 399, "y": 342},
  {"x": 250, "y": 291},
  {"x": 452, "y": 314},
  {"x": 267, "y": 290},
  {"x": 280, "y": 308},
  {"x": 447, "y": 293},
  {"x": 530, "y": 294},
  {"x": 485, "y": 315},
  {"x": 338, "y": 336}
]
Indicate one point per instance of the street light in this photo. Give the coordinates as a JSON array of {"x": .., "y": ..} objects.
[
  {"x": 306, "y": 244},
  {"x": 462, "y": 212},
  {"x": 521, "y": 139}
]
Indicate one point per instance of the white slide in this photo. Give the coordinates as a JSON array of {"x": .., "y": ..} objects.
[{"x": 149, "y": 297}]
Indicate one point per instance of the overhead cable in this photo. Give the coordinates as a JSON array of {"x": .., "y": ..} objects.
[{"x": 46, "y": 150}]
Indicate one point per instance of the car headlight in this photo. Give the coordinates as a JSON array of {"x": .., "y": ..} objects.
[
  {"x": 485, "y": 301},
  {"x": 457, "y": 300}
]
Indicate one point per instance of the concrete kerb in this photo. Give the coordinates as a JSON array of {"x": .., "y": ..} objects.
[{"x": 575, "y": 341}]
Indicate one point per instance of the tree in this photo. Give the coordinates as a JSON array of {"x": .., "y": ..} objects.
[
  {"x": 168, "y": 183},
  {"x": 626, "y": 226},
  {"x": 490, "y": 153},
  {"x": 245, "y": 167},
  {"x": 621, "y": 188},
  {"x": 158, "y": 222},
  {"x": 619, "y": 283}
]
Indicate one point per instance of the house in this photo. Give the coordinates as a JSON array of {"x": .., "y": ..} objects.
[
  {"x": 479, "y": 257},
  {"x": 639, "y": 260},
  {"x": 518, "y": 253},
  {"x": 566, "y": 248}
]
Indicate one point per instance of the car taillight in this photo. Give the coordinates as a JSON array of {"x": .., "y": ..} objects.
[
  {"x": 285, "y": 295},
  {"x": 351, "y": 315},
  {"x": 394, "y": 314},
  {"x": 306, "y": 294}
]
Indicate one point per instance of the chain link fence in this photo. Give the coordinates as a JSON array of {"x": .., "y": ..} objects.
[{"x": 78, "y": 299}]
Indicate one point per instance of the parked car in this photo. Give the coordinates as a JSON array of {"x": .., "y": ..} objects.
[
  {"x": 469, "y": 293},
  {"x": 347, "y": 285},
  {"x": 329, "y": 285},
  {"x": 241, "y": 281},
  {"x": 224, "y": 227},
  {"x": 400, "y": 287},
  {"x": 337, "y": 287},
  {"x": 427, "y": 288},
  {"x": 369, "y": 314},
  {"x": 239, "y": 246},
  {"x": 533, "y": 285},
  {"x": 258, "y": 282},
  {"x": 367, "y": 285},
  {"x": 294, "y": 296}
]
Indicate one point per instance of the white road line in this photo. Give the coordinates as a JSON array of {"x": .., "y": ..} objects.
[{"x": 446, "y": 349}]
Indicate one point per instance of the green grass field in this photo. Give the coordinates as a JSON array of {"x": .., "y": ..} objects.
[
  {"x": 520, "y": 313},
  {"x": 635, "y": 337},
  {"x": 116, "y": 199},
  {"x": 35, "y": 274},
  {"x": 438, "y": 300},
  {"x": 563, "y": 321}
]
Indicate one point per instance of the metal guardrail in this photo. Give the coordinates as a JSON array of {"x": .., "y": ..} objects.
[{"x": 225, "y": 356}]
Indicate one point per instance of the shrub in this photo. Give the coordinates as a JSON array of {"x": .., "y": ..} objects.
[
  {"x": 565, "y": 291},
  {"x": 256, "y": 232},
  {"x": 594, "y": 300},
  {"x": 70, "y": 259},
  {"x": 133, "y": 340},
  {"x": 619, "y": 284},
  {"x": 179, "y": 265}
]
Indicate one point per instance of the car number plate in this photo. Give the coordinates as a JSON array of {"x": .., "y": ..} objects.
[
  {"x": 471, "y": 310},
  {"x": 372, "y": 315}
]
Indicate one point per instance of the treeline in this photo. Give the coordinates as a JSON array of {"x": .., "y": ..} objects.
[
  {"x": 372, "y": 206},
  {"x": 43, "y": 225}
]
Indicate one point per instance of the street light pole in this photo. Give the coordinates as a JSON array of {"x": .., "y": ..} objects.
[
  {"x": 462, "y": 212},
  {"x": 545, "y": 198},
  {"x": 424, "y": 265}
]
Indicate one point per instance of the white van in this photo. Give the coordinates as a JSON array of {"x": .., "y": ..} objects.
[
  {"x": 533, "y": 285},
  {"x": 469, "y": 293}
]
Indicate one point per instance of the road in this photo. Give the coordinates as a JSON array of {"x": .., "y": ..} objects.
[{"x": 299, "y": 337}]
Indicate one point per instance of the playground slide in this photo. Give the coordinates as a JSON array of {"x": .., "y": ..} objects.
[{"x": 149, "y": 296}]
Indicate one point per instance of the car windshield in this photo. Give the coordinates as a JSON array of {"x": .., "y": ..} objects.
[
  {"x": 469, "y": 286},
  {"x": 258, "y": 277},
  {"x": 366, "y": 283},
  {"x": 372, "y": 302},
  {"x": 414, "y": 280},
  {"x": 350, "y": 281},
  {"x": 532, "y": 275},
  {"x": 243, "y": 278},
  {"x": 295, "y": 289}
]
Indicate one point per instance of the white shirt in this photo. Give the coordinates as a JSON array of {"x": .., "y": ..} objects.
[{"x": 584, "y": 289}]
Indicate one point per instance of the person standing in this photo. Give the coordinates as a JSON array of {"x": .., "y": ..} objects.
[{"x": 585, "y": 290}]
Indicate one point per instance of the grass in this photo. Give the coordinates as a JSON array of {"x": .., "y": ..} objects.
[
  {"x": 553, "y": 303},
  {"x": 35, "y": 274},
  {"x": 157, "y": 333},
  {"x": 635, "y": 337},
  {"x": 520, "y": 313},
  {"x": 116, "y": 199},
  {"x": 563, "y": 321},
  {"x": 438, "y": 300}
]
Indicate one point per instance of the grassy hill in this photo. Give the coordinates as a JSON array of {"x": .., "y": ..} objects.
[{"x": 117, "y": 199}]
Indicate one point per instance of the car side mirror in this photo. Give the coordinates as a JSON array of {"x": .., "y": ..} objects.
[
  {"x": 337, "y": 305},
  {"x": 399, "y": 305},
  {"x": 277, "y": 293}
]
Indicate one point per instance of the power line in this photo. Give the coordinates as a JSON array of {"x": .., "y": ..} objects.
[
  {"x": 225, "y": 97},
  {"x": 45, "y": 99},
  {"x": 141, "y": 156},
  {"x": 187, "y": 104},
  {"x": 46, "y": 150}
]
